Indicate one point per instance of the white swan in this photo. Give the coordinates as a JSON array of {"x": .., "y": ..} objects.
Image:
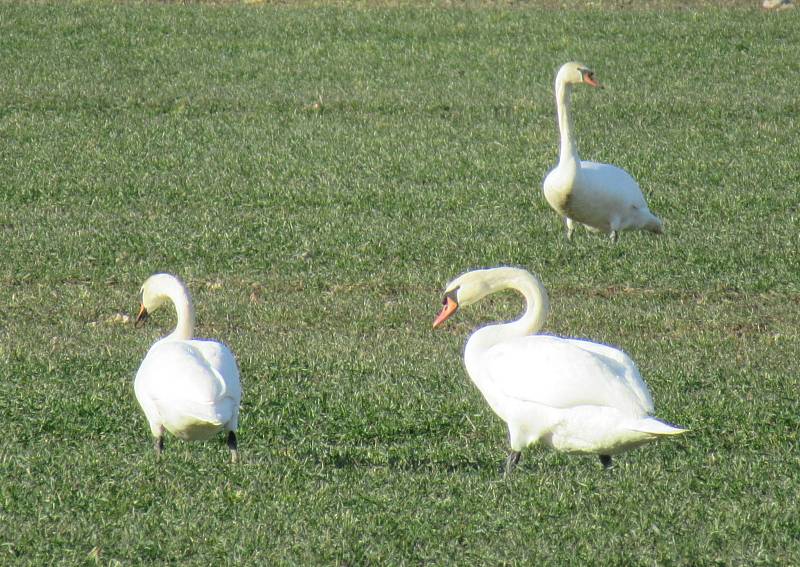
[
  {"x": 600, "y": 196},
  {"x": 187, "y": 386},
  {"x": 572, "y": 395}
]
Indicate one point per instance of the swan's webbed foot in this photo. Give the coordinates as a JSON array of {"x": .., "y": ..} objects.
[
  {"x": 159, "y": 445},
  {"x": 606, "y": 461},
  {"x": 233, "y": 446},
  {"x": 511, "y": 462}
]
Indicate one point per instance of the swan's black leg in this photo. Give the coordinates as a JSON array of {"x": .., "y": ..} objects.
[
  {"x": 570, "y": 226},
  {"x": 511, "y": 461},
  {"x": 606, "y": 460},
  {"x": 159, "y": 445},
  {"x": 233, "y": 446}
]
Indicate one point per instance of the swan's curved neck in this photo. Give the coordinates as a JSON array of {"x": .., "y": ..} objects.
[
  {"x": 184, "y": 330},
  {"x": 569, "y": 148},
  {"x": 537, "y": 307}
]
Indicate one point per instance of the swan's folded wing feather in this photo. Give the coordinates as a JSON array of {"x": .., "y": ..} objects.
[
  {"x": 176, "y": 374},
  {"x": 616, "y": 184},
  {"x": 221, "y": 359},
  {"x": 556, "y": 373},
  {"x": 624, "y": 368}
]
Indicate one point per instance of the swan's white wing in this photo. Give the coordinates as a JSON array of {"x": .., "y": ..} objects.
[
  {"x": 612, "y": 184},
  {"x": 625, "y": 368},
  {"x": 221, "y": 359},
  {"x": 178, "y": 379},
  {"x": 557, "y": 373}
]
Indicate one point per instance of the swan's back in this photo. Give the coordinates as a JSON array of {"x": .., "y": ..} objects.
[
  {"x": 606, "y": 197},
  {"x": 563, "y": 374},
  {"x": 192, "y": 386},
  {"x": 623, "y": 366},
  {"x": 221, "y": 359},
  {"x": 610, "y": 182}
]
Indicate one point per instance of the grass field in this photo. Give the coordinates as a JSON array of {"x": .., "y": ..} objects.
[{"x": 316, "y": 175}]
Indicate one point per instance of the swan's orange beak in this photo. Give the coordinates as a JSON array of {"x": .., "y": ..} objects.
[
  {"x": 449, "y": 308},
  {"x": 589, "y": 79},
  {"x": 141, "y": 317}
]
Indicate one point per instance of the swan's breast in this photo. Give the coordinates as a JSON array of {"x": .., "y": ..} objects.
[{"x": 557, "y": 189}]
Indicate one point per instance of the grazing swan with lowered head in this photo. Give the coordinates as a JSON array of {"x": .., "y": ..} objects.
[
  {"x": 572, "y": 395},
  {"x": 603, "y": 197},
  {"x": 189, "y": 387}
]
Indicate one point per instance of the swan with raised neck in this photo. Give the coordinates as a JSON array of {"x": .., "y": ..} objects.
[{"x": 603, "y": 197}]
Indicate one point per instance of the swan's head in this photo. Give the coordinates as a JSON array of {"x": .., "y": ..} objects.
[
  {"x": 573, "y": 73},
  {"x": 157, "y": 290},
  {"x": 473, "y": 286}
]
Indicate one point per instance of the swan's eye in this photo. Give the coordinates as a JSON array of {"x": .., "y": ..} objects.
[{"x": 451, "y": 295}]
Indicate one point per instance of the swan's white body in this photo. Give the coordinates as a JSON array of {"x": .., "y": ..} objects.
[
  {"x": 190, "y": 388},
  {"x": 572, "y": 395},
  {"x": 187, "y": 386},
  {"x": 600, "y": 196}
]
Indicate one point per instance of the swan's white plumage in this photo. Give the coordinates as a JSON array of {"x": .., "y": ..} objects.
[
  {"x": 190, "y": 387},
  {"x": 573, "y": 395},
  {"x": 187, "y": 386},
  {"x": 624, "y": 368},
  {"x": 514, "y": 369},
  {"x": 600, "y": 196}
]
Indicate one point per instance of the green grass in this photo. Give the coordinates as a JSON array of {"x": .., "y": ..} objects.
[{"x": 316, "y": 175}]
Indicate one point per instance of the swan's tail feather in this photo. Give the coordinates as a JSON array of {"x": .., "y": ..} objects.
[{"x": 655, "y": 426}]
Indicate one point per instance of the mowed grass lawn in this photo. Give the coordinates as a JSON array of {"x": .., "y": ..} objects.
[{"x": 316, "y": 175}]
